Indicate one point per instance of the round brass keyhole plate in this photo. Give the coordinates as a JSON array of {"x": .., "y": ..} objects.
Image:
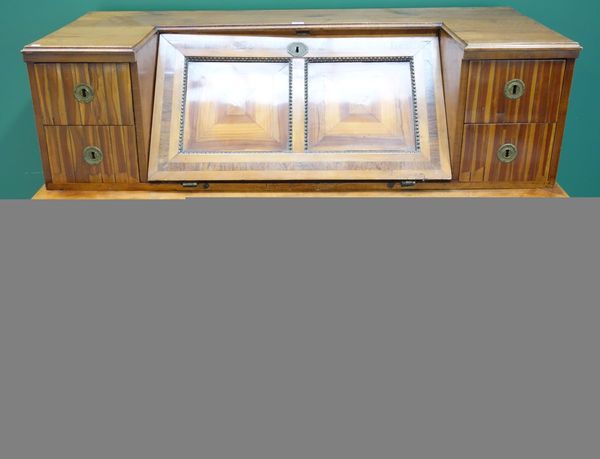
[
  {"x": 92, "y": 155},
  {"x": 507, "y": 153},
  {"x": 514, "y": 89},
  {"x": 84, "y": 93},
  {"x": 297, "y": 49}
]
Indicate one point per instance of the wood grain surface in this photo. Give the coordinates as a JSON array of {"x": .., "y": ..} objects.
[
  {"x": 483, "y": 32},
  {"x": 111, "y": 84},
  {"x": 554, "y": 192},
  {"x": 143, "y": 75},
  {"x": 236, "y": 106},
  {"x": 360, "y": 106},
  {"x": 455, "y": 76},
  {"x": 562, "y": 119},
  {"x": 482, "y": 142},
  {"x": 65, "y": 152},
  {"x": 368, "y": 118},
  {"x": 480, "y": 49},
  {"x": 486, "y": 102}
]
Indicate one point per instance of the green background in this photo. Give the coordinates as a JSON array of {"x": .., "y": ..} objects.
[{"x": 22, "y": 22}]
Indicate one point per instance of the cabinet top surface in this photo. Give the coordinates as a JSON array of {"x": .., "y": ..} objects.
[{"x": 475, "y": 28}]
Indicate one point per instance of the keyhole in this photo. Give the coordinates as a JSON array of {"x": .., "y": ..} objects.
[
  {"x": 507, "y": 153},
  {"x": 92, "y": 155},
  {"x": 514, "y": 89},
  {"x": 83, "y": 93},
  {"x": 297, "y": 49}
]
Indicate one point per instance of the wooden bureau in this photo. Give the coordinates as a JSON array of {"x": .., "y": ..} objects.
[{"x": 301, "y": 100}]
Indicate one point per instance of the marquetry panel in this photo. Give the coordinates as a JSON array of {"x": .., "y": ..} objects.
[
  {"x": 487, "y": 103},
  {"x": 236, "y": 106},
  {"x": 361, "y": 106},
  {"x": 111, "y": 84},
  {"x": 244, "y": 108},
  {"x": 65, "y": 145},
  {"x": 481, "y": 143}
]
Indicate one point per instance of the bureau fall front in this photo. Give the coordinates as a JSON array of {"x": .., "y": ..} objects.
[{"x": 301, "y": 100}]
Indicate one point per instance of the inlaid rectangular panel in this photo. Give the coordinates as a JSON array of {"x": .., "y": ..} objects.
[
  {"x": 488, "y": 103},
  {"x": 361, "y": 105},
  {"x": 110, "y": 93},
  {"x": 236, "y": 105},
  {"x": 481, "y": 144},
  {"x": 66, "y": 144},
  {"x": 298, "y": 108}
]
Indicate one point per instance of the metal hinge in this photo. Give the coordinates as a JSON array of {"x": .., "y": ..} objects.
[
  {"x": 189, "y": 184},
  {"x": 407, "y": 183}
]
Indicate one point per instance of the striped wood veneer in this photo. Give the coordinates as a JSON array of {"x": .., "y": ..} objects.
[
  {"x": 112, "y": 103},
  {"x": 486, "y": 102},
  {"x": 480, "y": 49},
  {"x": 481, "y": 142},
  {"x": 65, "y": 147}
]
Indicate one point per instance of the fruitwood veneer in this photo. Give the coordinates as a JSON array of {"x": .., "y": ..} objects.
[
  {"x": 112, "y": 102},
  {"x": 479, "y": 162},
  {"x": 543, "y": 86},
  {"x": 477, "y": 50},
  {"x": 119, "y": 165}
]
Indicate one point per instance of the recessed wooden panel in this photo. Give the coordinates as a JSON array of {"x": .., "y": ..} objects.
[
  {"x": 487, "y": 103},
  {"x": 65, "y": 145},
  {"x": 111, "y": 83},
  {"x": 361, "y": 106},
  {"x": 481, "y": 143},
  {"x": 236, "y": 106},
  {"x": 242, "y": 108}
]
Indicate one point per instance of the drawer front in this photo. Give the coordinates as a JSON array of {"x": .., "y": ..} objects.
[
  {"x": 491, "y": 99},
  {"x": 481, "y": 160},
  {"x": 92, "y": 154},
  {"x": 103, "y": 96}
]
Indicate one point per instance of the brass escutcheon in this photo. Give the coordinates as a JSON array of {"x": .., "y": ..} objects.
[
  {"x": 84, "y": 93},
  {"x": 507, "y": 153},
  {"x": 92, "y": 155},
  {"x": 297, "y": 49},
  {"x": 514, "y": 89}
]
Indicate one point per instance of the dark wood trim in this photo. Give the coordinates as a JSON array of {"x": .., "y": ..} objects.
[{"x": 207, "y": 187}]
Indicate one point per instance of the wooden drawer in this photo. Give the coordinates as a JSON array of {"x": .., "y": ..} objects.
[
  {"x": 488, "y": 103},
  {"x": 110, "y": 84},
  {"x": 481, "y": 143},
  {"x": 118, "y": 159}
]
